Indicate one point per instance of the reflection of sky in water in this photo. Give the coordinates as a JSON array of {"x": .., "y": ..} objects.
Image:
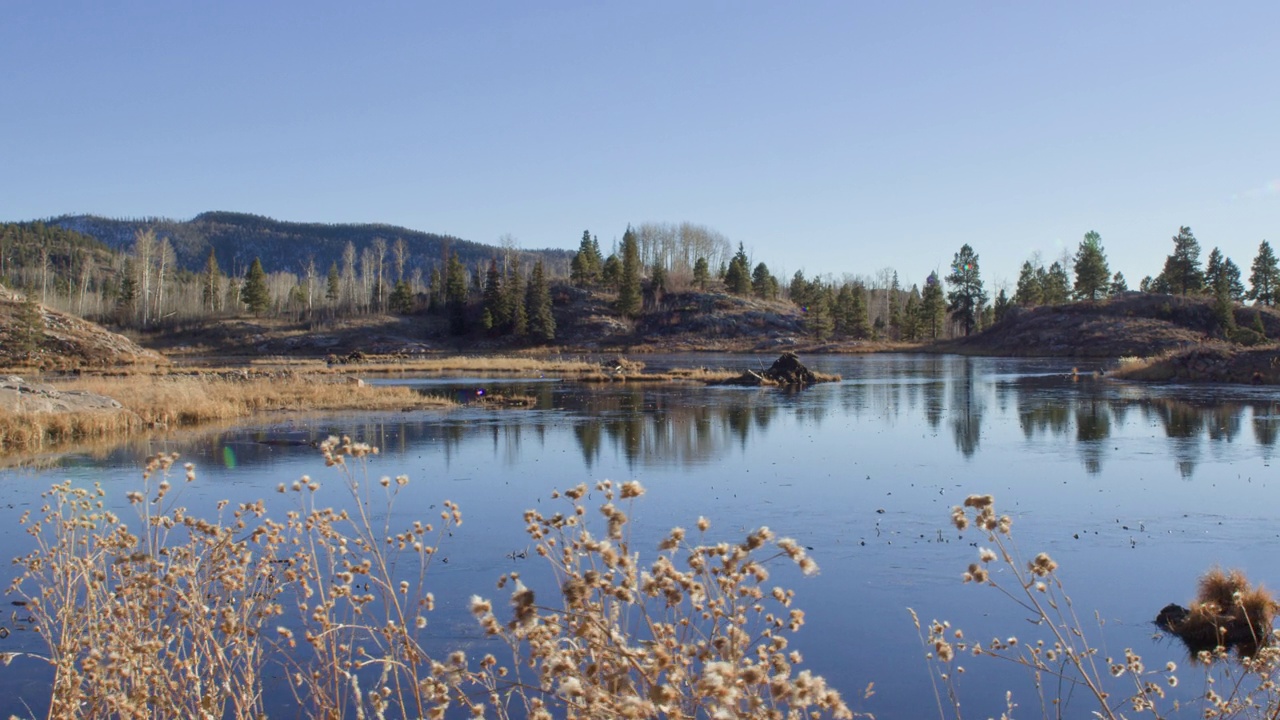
[{"x": 1134, "y": 489}]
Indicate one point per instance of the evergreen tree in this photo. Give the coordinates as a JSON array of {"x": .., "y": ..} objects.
[
  {"x": 495, "y": 303},
  {"x": 437, "y": 292},
  {"x": 797, "y": 288},
  {"x": 584, "y": 270},
  {"x": 401, "y": 300},
  {"x": 126, "y": 301},
  {"x": 28, "y": 330},
  {"x": 1264, "y": 276},
  {"x": 629, "y": 298},
  {"x": 542, "y": 323},
  {"x": 737, "y": 277},
  {"x": 911, "y": 316},
  {"x": 850, "y": 311},
  {"x": 1222, "y": 277},
  {"x": 819, "y": 315},
  {"x": 1093, "y": 277},
  {"x": 519, "y": 322},
  {"x": 658, "y": 278},
  {"x": 333, "y": 284},
  {"x": 1002, "y": 306},
  {"x": 611, "y": 273},
  {"x": 1118, "y": 284},
  {"x": 967, "y": 298},
  {"x": 1029, "y": 291},
  {"x": 211, "y": 283},
  {"x": 1182, "y": 274},
  {"x": 763, "y": 283},
  {"x": 1055, "y": 285},
  {"x": 455, "y": 291},
  {"x": 254, "y": 292},
  {"x": 701, "y": 273},
  {"x": 932, "y": 306}
]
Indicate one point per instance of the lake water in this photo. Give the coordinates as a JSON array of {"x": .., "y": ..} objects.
[{"x": 1134, "y": 489}]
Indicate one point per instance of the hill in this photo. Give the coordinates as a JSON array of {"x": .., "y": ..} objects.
[
  {"x": 34, "y": 335},
  {"x": 1134, "y": 324},
  {"x": 237, "y": 238}
]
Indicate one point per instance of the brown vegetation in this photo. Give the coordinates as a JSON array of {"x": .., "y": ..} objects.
[
  {"x": 182, "y": 400},
  {"x": 174, "y": 615}
]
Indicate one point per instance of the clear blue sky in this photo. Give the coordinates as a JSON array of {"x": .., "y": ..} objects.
[{"x": 831, "y": 137}]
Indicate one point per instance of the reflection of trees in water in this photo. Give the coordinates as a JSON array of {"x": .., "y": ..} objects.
[
  {"x": 1266, "y": 423},
  {"x": 966, "y": 409},
  {"x": 1093, "y": 427}
]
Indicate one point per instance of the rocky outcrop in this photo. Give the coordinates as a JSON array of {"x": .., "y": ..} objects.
[
  {"x": 19, "y": 396},
  {"x": 1217, "y": 363},
  {"x": 1133, "y": 324},
  {"x": 41, "y": 336}
]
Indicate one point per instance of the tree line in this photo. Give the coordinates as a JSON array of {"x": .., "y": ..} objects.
[{"x": 508, "y": 295}]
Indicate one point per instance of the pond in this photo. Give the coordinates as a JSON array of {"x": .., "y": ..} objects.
[{"x": 1135, "y": 490}]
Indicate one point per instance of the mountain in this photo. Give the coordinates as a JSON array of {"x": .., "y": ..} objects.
[{"x": 237, "y": 238}]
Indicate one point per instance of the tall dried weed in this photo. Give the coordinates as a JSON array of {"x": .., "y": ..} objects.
[{"x": 176, "y": 616}]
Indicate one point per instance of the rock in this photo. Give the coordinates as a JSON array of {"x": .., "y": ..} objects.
[{"x": 17, "y": 395}]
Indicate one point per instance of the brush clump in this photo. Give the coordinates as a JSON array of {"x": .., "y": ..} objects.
[{"x": 1228, "y": 614}]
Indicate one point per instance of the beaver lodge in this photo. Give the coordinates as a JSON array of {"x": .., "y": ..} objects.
[{"x": 786, "y": 371}]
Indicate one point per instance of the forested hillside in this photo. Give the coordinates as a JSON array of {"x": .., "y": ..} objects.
[{"x": 237, "y": 238}]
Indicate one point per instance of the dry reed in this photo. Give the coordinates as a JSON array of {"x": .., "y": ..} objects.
[
  {"x": 1061, "y": 659},
  {"x": 177, "y": 616}
]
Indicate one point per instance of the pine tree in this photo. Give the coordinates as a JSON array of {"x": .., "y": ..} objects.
[
  {"x": 584, "y": 269},
  {"x": 1002, "y": 306},
  {"x": 542, "y": 323},
  {"x": 1222, "y": 277},
  {"x": 1182, "y": 273},
  {"x": 763, "y": 283},
  {"x": 932, "y": 306},
  {"x": 895, "y": 308},
  {"x": 29, "y": 327},
  {"x": 333, "y": 284},
  {"x": 1093, "y": 277},
  {"x": 1055, "y": 285},
  {"x": 1264, "y": 276},
  {"x": 1029, "y": 292},
  {"x": 519, "y": 322},
  {"x": 495, "y": 303},
  {"x": 911, "y": 316},
  {"x": 701, "y": 273},
  {"x": 401, "y": 300},
  {"x": 658, "y": 279},
  {"x": 967, "y": 298},
  {"x": 455, "y": 291},
  {"x": 211, "y": 283},
  {"x": 737, "y": 277},
  {"x": 819, "y": 310},
  {"x": 254, "y": 292},
  {"x": 1118, "y": 284},
  {"x": 611, "y": 273},
  {"x": 128, "y": 297},
  {"x": 629, "y": 298}
]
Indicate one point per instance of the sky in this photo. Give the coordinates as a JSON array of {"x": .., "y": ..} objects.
[{"x": 828, "y": 137}]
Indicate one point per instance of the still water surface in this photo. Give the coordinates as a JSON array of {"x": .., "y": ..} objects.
[{"x": 1134, "y": 490}]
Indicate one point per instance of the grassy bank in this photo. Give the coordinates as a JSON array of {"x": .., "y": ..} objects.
[{"x": 174, "y": 401}]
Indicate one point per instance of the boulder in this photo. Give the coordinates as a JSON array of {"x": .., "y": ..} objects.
[{"x": 18, "y": 395}]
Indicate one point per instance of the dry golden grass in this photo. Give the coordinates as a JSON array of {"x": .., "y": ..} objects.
[
  {"x": 173, "y": 615},
  {"x": 30, "y": 431},
  {"x": 178, "y": 400},
  {"x": 469, "y": 363},
  {"x": 172, "y": 401}
]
